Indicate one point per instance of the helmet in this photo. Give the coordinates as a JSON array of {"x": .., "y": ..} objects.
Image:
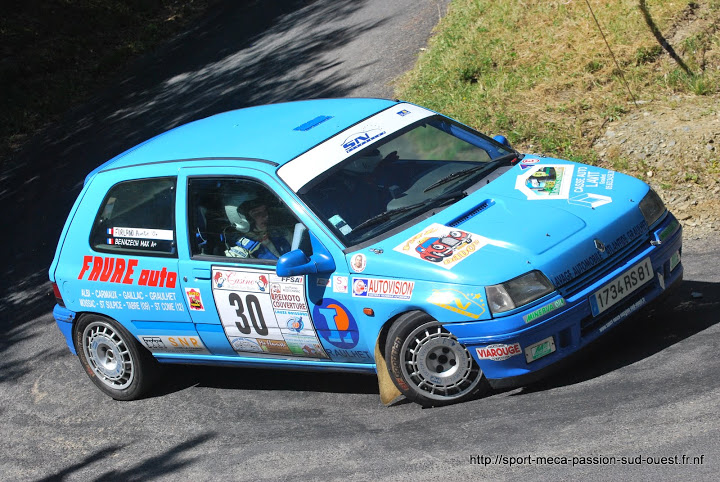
[{"x": 232, "y": 204}]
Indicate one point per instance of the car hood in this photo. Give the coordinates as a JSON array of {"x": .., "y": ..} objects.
[{"x": 556, "y": 216}]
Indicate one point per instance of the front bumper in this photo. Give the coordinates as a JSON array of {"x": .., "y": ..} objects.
[{"x": 556, "y": 326}]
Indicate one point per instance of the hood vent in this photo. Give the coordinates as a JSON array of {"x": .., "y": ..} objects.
[{"x": 471, "y": 214}]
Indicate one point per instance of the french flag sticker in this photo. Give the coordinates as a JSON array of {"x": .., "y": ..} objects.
[
  {"x": 110, "y": 231},
  {"x": 110, "y": 241}
]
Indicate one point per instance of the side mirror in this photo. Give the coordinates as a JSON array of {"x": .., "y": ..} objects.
[
  {"x": 502, "y": 140},
  {"x": 296, "y": 262}
]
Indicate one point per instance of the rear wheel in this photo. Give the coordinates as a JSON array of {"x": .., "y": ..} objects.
[
  {"x": 113, "y": 359},
  {"x": 427, "y": 363}
]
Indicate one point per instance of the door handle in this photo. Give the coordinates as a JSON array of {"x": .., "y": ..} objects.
[{"x": 200, "y": 273}]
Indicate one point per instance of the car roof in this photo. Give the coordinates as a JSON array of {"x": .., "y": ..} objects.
[{"x": 275, "y": 132}]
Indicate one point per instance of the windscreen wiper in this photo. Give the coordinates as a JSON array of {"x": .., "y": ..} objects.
[
  {"x": 379, "y": 218},
  {"x": 508, "y": 158}
]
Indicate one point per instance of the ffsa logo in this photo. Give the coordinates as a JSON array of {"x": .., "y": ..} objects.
[{"x": 360, "y": 138}]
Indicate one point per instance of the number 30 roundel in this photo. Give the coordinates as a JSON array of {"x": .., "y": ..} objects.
[{"x": 335, "y": 324}]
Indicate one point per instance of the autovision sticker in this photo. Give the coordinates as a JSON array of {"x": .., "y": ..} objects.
[{"x": 383, "y": 288}]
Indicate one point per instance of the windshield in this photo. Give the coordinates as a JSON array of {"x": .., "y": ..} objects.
[{"x": 422, "y": 167}]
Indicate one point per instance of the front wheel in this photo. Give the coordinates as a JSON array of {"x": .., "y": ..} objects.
[
  {"x": 427, "y": 363},
  {"x": 113, "y": 359}
]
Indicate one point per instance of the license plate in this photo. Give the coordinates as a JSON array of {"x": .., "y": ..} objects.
[
  {"x": 621, "y": 287},
  {"x": 539, "y": 349}
]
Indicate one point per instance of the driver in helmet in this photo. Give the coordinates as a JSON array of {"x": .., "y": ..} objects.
[{"x": 256, "y": 236}]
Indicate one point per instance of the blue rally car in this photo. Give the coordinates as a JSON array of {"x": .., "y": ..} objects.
[{"x": 361, "y": 235}]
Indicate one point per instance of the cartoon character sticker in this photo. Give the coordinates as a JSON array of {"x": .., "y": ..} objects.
[
  {"x": 545, "y": 181},
  {"x": 194, "y": 299},
  {"x": 262, "y": 282},
  {"x": 442, "y": 245}
]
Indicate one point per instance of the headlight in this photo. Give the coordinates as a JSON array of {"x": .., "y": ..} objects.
[
  {"x": 518, "y": 291},
  {"x": 652, "y": 207}
]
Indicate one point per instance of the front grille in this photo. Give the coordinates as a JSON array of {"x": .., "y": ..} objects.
[{"x": 605, "y": 267}]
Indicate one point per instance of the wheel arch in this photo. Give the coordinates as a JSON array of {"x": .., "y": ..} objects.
[{"x": 389, "y": 393}]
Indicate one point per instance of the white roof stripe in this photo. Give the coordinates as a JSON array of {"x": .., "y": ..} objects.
[{"x": 319, "y": 159}]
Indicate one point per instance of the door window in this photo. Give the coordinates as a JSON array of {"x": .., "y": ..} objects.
[{"x": 238, "y": 218}]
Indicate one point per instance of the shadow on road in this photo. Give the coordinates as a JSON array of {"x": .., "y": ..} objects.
[
  {"x": 242, "y": 54},
  {"x": 230, "y": 378},
  {"x": 166, "y": 463},
  {"x": 687, "y": 311}
]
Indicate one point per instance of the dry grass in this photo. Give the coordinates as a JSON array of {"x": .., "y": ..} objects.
[{"x": 540, "y": 72}]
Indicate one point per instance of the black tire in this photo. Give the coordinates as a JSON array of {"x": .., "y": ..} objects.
[
  {"x": 113, "y": 359},
  {"x": 427, "y": 363}
]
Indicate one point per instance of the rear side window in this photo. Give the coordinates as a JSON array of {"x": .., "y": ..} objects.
[{"x": 137, "y": 217}]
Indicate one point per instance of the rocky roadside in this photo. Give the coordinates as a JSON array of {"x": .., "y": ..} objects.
[{"x": 674, "y": 145}]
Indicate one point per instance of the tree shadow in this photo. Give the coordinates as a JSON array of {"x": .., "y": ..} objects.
[
  {"x": 661, "y": 39},
  {"x": 241, "y": 54},
  {"x": 652, "y": 330},
  {"x": 163, "y": 464}
]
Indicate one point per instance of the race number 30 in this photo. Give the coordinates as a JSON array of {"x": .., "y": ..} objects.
[{"x": 254, "y": 312}]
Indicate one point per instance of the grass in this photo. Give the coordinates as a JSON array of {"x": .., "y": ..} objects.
[{"x": 539, "y": 72}]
